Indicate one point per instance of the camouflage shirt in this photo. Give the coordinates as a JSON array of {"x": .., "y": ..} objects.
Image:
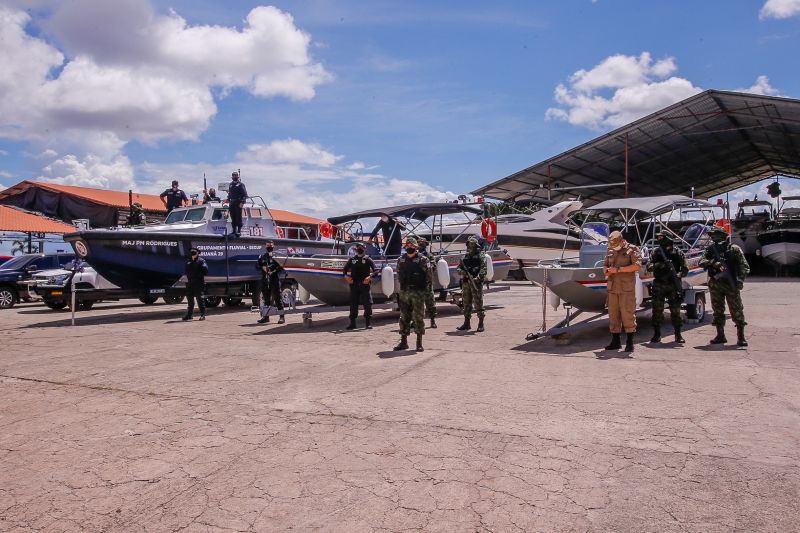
[{"x": 728, "y": 253}]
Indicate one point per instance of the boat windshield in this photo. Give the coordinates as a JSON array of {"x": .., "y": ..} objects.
[
  {"x": 188, "y": 215},
  {"x": 595, "y": 231},
  {"x": 219, "y": 214},
  {"x": 175, "y": 216},
  {"x": 195, "y": 215}
]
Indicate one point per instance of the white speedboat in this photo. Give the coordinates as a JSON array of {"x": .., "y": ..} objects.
[
  {"x": 780, "y": 243},
  {"x": 752, "y": 218}
]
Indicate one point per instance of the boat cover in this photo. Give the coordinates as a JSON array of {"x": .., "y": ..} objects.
[{"x": 412, "y": 211}]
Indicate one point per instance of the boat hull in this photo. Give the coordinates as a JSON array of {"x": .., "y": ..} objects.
[
  {"x": 322, "y": 276},
  {"x": 781, "y": 246},
  {"x": 140, "y": 260}
]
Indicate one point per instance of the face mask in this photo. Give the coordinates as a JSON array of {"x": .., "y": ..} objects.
[
  {"x": 360, "y": 251},
  {"x": 269, "y": 248},
  {"x": 411, "y": 251}
]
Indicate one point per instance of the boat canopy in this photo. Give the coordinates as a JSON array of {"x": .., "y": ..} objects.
[
  {"x": 412, "y": 211},
  {"x": 651, "y": 205}
]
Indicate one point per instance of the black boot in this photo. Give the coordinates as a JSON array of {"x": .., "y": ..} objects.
[
  {"x": 740, "y": 340},
  {"x": 403, "y": 343},
  {"x": 263, "y": 320},
  {"x": 202, "y": 317},
  {"x": 480, "y": 325},
  {"x": 466, "y": 326},
  {"x": 720, "y": 338},
  {"x": 616, "y": 344},
  {"x": 419, "y": 344},
  {"x": 678, "y": 337},
  {"x": 282, "y": 320},
  {"x": 629, "y": 343},
  {"x": 656, "y": 334},
  {"x": 186, "y": 317},
  {"x": 368, "y": 320},
  {"x": 433, "y": 323},
  {"x": 352, "y": 324}
]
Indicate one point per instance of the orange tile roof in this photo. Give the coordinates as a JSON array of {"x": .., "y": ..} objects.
[
  {"x": 294, "y": 218},
  {"x": 150, "y": 202},
  {"x": 12, "y": 219}
]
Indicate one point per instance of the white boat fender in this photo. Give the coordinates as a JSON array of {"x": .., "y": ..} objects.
[
  {"x": 555, "y": 300},
  {"x": 443, "y": 273},
  {"x": 639, "y": 290},
  {"x": 303, "y": 295},
  {"x": 387, "y": 281},
  {"x": 489, "y": 267}
]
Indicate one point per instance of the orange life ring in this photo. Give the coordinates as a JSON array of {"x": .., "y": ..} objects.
[
  {"x": 280, "y": 232},
  {"x": 489, "y": 229},
  {"x": 326, "y": 230}
]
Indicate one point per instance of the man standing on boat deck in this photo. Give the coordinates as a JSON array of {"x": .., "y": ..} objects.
[
  {"x": 667, "y": 284},
  {"x": 237, "y": 195},
  {"x": 727, "y": 269},
  {"x": 270, "y": 282},
  {"x": 392, "y": 236},
  {"x": 210, "y": 196},
  {"x": 414, "y": 275},
  {"x": 621, "y": 264},
  {"x": 196, "y": 270},
  {"x": 358, "y": 272},
  {"x": 430, "y": 302},
  {"x": 173, "y": 197},
  {"x": 473, "y": 273}
]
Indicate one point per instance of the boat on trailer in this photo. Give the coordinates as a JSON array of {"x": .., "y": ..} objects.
[
  {"x": 579, "y": 282},
  {"x": 321, "y": 275}
]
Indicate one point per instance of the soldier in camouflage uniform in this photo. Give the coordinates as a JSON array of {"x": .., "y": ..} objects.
[
  {"x": 137, "y": 217},
  {"x": 727, "y": 269},
  {"x": 473, "y": 273},
  {"x": 667, "y": 285},
  {"x": 430, "y": 303},
  {"x": 414, "y": 275}
]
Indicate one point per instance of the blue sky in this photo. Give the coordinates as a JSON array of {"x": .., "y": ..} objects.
[{"x": 381, "y": 102}]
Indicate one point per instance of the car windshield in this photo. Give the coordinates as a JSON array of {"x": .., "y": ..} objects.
[{"x": 18, "y": 262}]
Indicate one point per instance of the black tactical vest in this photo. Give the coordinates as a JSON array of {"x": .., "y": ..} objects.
[
  {"x": 472, "y": 263},
  {"x": 411, "y": 274}
]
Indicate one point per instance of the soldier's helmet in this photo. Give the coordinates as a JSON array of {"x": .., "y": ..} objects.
[
  {"x": 411, "y": 242},
  {"x": 663, "y": 236},
  {"x": 137, "y": 205},
  {"x": 422, "y": 241},
  {"x": 472, "y": 241},
  {"x": 717, "y": 234}
]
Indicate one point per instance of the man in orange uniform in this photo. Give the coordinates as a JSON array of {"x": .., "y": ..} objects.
[{"x": 622, "y": 262}]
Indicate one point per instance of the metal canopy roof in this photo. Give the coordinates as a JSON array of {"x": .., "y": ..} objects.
[
  {"x": 715, "y": 141},
  {"x": 413, "y": 211},
  {"x": 653, "y": 205}
]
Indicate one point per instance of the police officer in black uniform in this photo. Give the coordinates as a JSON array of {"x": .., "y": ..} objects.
[
  {"x": 196, "y": 270},
  {"x": 210, "y": 196},
  {"x": 392, "y": 235},
  {"x": 358, "y": 272},
  {"x": 173, "y": 197},
  {"x": 237, "y": 195},
  {"x": 270, "y": 270}
]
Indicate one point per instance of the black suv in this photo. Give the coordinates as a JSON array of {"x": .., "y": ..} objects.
[{"x": 15, "y": 273}]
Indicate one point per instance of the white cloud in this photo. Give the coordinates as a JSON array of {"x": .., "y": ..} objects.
[
  {"x": 4, "y": 174},
  {"x": 779, "y": 9},
  {"x": 138, "y": 75},
  {"x": 3, "y": 152},
  {"x": 618, "y": 90},
  {"x": 91, "y": 171},
  {"x": 761, "y": 86},
  {"x": 289, "y": 151}
]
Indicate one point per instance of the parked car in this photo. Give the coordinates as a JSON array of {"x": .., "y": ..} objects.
[
  {"x": 4, "y": 258},
  {"x": 55, "y": 286},
  {"x": 16, "y": 274}
]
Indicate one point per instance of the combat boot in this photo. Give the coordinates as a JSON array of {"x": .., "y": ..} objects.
[
  {"x": 352, "y": 325},
  {"x": 616, "y": 344},
  {"x": 403, "y": 343},
  {"x": 368, "y": 321},
  {"x": 263, "y": 320},
  {"x": 480, "y": 325},
  {"x": 656, "y": 334},
  {"x": 678, "y": 337},
  {"x": 202, "y": 317},
  {"x": 629, "y": 343},
  {"x": 720, "y": 338},
  {"x": 466, "y": 326},
  {"x": 186, "y": 317},
  {"x": 282, "y": 320},
  {"x": 419, "y": 344},
  {"x": 433, "y": 323},
  {"x": 740, "y": 340}
]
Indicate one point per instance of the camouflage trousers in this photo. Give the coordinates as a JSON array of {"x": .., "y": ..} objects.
[
  {"x": 661, "y": 292},
  {"x": 430, "y": 304},
  {"x": 721, "y": 292},
  {"x": 472, "y": 298},
  {"x": 412, "y": 311}
]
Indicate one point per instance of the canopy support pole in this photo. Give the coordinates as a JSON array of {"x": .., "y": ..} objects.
[
  {"x": 549, "y": 182},
  {"x": 626, "y": 165}
]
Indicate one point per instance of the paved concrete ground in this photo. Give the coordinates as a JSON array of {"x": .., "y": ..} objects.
[{"x": 134, "y": 421}]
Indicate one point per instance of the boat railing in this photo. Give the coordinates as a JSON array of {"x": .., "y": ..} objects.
[{"x": 291, "y": 232}]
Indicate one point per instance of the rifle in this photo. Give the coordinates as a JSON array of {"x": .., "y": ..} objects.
[
  {"x": 471, "y": 279},
  {"x": 676, "y": 280},
  {"x": 205, "y": 187},
  {"x": 723, "y": 275}
]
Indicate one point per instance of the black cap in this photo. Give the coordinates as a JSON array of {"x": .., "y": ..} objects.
[
  {"x": 194, "y": 251},
  {"x": 174, "y": 183}
]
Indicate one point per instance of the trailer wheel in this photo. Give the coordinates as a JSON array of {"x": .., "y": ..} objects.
[
  {"x": 232, "y": 301},
  {"x": 212, "y": 301},
  {"x": 55, "y": 305},
  {"x": 148, "y": 300},
  {"x": 7, "y": 297},
  {"x": 697, "y": 311},
  {"x": 84, "y": 305},
  {"x": 172, "y": 299}
]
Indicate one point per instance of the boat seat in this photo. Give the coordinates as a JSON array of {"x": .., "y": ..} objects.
[{"x": 591, "y": 255}]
